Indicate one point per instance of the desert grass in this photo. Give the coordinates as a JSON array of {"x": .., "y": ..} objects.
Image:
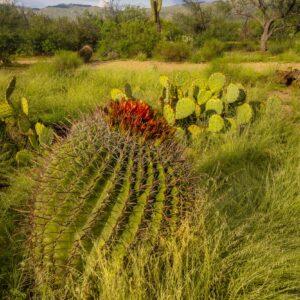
[{"x": 241, "y": 239}]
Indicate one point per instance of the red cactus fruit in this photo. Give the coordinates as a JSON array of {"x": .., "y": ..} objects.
[{"x": 137, "y": 117}]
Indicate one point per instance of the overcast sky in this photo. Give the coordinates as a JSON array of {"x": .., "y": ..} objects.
[{"x": 44, "y": 3}]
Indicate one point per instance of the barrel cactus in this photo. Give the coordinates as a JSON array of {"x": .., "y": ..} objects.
[
  {"x": 86, "y": 53},
  {"x": 7, "y": 153},
  {"x": 106, "y": 187}
]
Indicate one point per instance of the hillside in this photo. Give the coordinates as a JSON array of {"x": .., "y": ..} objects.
[{"x": 74, "y": 10}]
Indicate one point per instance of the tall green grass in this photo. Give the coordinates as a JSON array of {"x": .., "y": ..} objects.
[{"x": 241, "y": 240}]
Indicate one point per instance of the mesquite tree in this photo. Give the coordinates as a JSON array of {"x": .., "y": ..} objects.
[{"x": 270, "y": 14}]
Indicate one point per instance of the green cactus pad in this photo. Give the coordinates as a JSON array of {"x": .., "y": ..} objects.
[
  {"x": 215, "y": 124},
  {"x": 195, "y": 131},
  {"x": 24, "y": 123},
  {"x": 24, "y": 105},
  {"x": 204, "y": 96},
  {"x": 46, "y": 136},
  {"x": 5, "y": 110},
  {"x": 197, "y": 110},
  {"x": 232, "y": 94},
  {"x": 103, "y": 191},
  {"x": 117, "y": 94},
  {"x": 244, "y": 114},
  {"x": 184, "y": 108},
  {"x": 201, "y": 83},
  {"x": 214, "y": 104},
  {"x": 164, "y": 81},
  {"x": 232, "y": 124},
  {"x": 10, "y": 89},
  {"x": 216, "y": 82},
  {"x": 169, "y": 114}
]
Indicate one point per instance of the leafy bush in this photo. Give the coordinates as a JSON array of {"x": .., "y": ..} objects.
[
  {"x": 13, "y": 26},
  {"x": 65, "y": 62},
  {"x": 279, "y": 46},
  {"x": 141, "y": 56},
  {"x": 132, "y": 34},
  {"x": 247, "y": 45},
  {"x": 210, "y": 50},
  {"x": 173, "y": 51}
]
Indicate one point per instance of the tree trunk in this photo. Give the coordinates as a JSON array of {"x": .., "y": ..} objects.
[{"x": 265, "y": 35}]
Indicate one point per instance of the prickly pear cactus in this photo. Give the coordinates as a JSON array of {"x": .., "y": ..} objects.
[
  {"x": 103, "y": 189},
  {"x": 18, "y": 127},
  {"x": 195, "y": 104}
]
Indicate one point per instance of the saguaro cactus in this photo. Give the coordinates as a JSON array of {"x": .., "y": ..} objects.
[
  {"x": 100, "y": 190},
  {"x": 156, "y": 6}
]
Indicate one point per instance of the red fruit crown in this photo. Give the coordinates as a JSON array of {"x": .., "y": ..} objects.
[{"x": 137, "y": 117}]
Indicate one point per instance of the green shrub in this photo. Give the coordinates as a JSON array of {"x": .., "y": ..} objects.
[
  {"x": 210, "y": 50},
  {"x": 65, "y": 62},
  {"x": 280, "y": 46},
  {"x": 247, "y": 45},
  {"x": 141, "y": 56},
  {"x": 173, "y": 51}
]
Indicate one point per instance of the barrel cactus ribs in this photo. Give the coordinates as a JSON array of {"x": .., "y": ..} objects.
[{"x": 102, "y": 189}]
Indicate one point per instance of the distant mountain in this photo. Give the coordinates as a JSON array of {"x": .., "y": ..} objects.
[
  {"x": 71, "y": 5},
  {"x": 74, "y": 10},
  {"x": 69, "y": 10}
]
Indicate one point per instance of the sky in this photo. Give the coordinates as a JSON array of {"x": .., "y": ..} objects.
[{"x": 44, "y": 3}]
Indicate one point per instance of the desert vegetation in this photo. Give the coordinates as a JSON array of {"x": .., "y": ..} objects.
[{"x": 146, "y": 157}]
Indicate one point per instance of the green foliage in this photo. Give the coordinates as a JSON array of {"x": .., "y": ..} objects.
[
  {"x": 210, "y": 106},
  {"x": 211, "y": 49},
  {"x": 65, "y": 62},
  {"x": 13, "y": 26},
  {"x": 24, "y": 157},
  {"x": 119, "y": 190},
  {"x": 132, "y": 34},
  {"x": 173, "y": 51}
]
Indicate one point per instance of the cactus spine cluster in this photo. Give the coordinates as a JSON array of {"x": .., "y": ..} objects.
[
  {"x": 101, "y": 190},
  {"x": 205, "y": 105}
]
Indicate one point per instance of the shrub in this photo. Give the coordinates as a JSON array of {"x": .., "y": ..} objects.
[
  {"x": 247, "y": 45},
  {"x": 141, "y": 56},
  {"x": 65, "y": 62},
  {"x": 173, "y": 51},
  {"x": 280, "y": 46},
  {"x": 210, "y": 50},
  {"x": 86, "y": 53},
  {"x": 120, "y": 189}
]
